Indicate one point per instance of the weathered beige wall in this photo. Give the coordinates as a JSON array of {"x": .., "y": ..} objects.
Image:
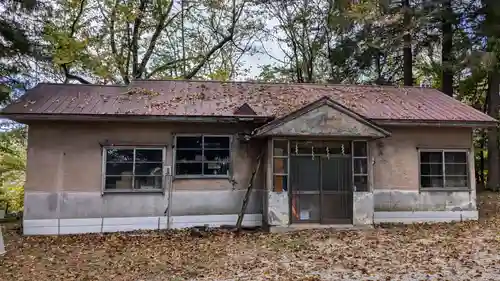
[
  {"x": 324, "y": 121},
  {"x": 396, "y": 158},
  {"x": 68, "y": 157}
]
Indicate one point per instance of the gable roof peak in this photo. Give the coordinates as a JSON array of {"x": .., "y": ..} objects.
[{"x": 244, "y": 109}]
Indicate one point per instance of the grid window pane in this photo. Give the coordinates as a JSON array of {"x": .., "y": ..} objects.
[
  {"x": 217, "y": 168},
  {"x": 431, "y": 157},
  {"x": 444, "y": 169},
  {"x": 456, "y": 169},
  {"x": 455, "y": 157},
  {"x": 280, "y": 165},
  {"x": 431, "y": 169},
  {"x": 148, "y": 169},
  {"x": 361, "y": 183},
  {"x": 431, "y": 181},
  {"x": 119, "y": 155},
  {"x": 129, "y": 168},
  {"x": 280, "y": 183},
  {"x": 456, "y": 181},
  {"x": 117, "y": 169},
  {"x": 360, "y": 148},
  {"x": 216, "y": 142},
  {"x": 118, "y": 182},
  {"x": 189, "y": 155},
  {"x": 360, "y": 166},
  {"x": 189, "y": 168},
  {"x": 217, "y": 155},
  {"x": 148, "y": 182},
  {"x": 149, "y": 155},
  {"x": 280, "y": 148},
  {"x": 203, "y": 155},
  {"x": 188, "y": 142}
]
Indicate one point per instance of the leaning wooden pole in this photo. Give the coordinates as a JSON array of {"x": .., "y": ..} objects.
[{"x": 249, "y": 191}]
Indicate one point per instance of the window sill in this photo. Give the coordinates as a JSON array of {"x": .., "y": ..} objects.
[
  {"x": 442, "y": 189},
  {"x": 130, "y": 191}
]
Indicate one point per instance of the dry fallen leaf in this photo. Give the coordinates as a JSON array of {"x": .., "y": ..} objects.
[{"x": 457, "y": 251}]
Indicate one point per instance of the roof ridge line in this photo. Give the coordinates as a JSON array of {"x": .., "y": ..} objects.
[
  {"x": 87, "y": 85},
  {"x": 280, "y": 83}
]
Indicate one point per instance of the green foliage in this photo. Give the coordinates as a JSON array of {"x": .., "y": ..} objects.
[{"x": 12, "y": 167}]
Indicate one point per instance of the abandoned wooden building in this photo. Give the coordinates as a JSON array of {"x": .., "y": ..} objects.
[{"x": 174, "y": 154}]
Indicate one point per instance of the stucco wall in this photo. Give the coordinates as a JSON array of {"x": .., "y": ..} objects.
[
  {"x": 395, "y": 170},
  {"x": 395, "y": 160},
  {"x": 64, "y": 177}
]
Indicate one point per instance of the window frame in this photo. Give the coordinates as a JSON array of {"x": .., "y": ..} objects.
[
  {"x": 287, "y": 160},
  {"x": 202, "y": 176},
  {"x": 366, "y": 159},
  {"x": 443, "y": 164},
  {"x": 104, "y": 156}
]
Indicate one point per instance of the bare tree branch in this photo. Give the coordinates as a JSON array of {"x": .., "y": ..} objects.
[
  {"x": 117, "y": 57},
  {"x": 65, "y": 66},
  {"x": 70, "y": 76},
  {"x": 152, "y": 43},
  {"x": 236, "y": 14},
  {"x": 169, "y": 65},
  {"x": 135, "y": 38}
]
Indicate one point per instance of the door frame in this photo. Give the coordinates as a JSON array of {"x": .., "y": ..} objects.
[{"x": 320, "y": 193}]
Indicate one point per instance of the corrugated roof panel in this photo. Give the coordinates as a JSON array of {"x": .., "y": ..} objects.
[{"x": 150, "y": 97}]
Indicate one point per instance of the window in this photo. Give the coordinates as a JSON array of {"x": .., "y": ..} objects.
[
  {"x": 280, "y": 165},
  {"x": 133, "y": 169},
  {"x": 444, "y": 169},
  {"x": 360, "y": 165},
  {"x": 202, "y": 156}
]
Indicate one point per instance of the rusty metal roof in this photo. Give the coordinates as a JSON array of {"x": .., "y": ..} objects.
[{"x": 210, "y": 98}]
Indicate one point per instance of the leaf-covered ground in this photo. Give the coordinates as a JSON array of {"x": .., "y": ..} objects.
[{"x": 459, "y": 251}]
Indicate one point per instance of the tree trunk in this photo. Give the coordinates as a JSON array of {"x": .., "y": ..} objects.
[
  {"x": 407, "y": 55},
  {"x": 493, "y": 151},
  {"x": 446, "y": 51}
]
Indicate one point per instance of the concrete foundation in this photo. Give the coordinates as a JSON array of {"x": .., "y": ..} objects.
[
  {"x": 278, "y": 212},
  {"x": 45, "y": 205},
  {"x": 401, "y": 200},
  {"x": 363, "y": 208}
]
